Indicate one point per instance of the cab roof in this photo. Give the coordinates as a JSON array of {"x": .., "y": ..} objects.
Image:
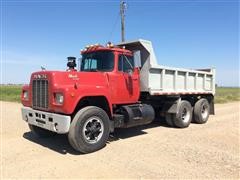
[{"x": 94, "y": 48}]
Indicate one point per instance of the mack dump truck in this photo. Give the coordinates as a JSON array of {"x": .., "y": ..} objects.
[{"x": 119, "y": 86}]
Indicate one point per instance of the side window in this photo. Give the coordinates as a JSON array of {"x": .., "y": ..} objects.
[
  {"x": 120, "y": 63},
  {"x": 125, "y": 63}
]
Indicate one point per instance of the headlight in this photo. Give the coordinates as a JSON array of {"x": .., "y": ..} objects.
[
  {"x": 25, "y": 95},
  {"x": 59, "y": 98}
]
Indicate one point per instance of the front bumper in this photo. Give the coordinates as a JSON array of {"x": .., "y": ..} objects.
[{"x": 53, "y": 122}]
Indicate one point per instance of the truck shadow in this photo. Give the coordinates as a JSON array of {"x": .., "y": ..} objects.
[
  {"x": 124, "y": 133},
  {"x": 60, "y": 144}
]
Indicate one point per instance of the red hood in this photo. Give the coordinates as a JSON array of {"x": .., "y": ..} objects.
[
  {"x": 70, "y": 78},
  {"x": 72, "y": 84}
]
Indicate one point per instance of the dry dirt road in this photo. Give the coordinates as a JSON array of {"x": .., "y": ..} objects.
[{"x": 153, "y": 151}]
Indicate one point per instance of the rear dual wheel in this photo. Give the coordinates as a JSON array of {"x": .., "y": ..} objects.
[
  {"x": 182, "y": 118},
  {"x": 186, "y": 113},
  {"x": 201, "y": 111}
]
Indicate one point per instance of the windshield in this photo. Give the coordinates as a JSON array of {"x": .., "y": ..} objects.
[{"x": 97, "y": 61}]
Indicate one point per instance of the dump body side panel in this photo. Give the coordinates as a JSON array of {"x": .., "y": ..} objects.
[
  {"x": 165, "y": 80},
  {"x": 161, "y": 80}
]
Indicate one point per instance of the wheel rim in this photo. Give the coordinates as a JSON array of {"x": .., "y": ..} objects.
[
  {"x": 185, "y": 115},
  {"x": 204, "y": 111},
  {"x": 93, "y": 130}
]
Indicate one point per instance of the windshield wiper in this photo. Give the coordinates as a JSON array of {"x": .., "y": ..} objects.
[{"x": 93, "y": 70}]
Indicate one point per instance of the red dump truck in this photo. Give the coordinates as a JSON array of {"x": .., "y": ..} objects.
[{"x": 115, "y": 86}]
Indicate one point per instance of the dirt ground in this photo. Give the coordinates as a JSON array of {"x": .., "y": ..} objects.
[{"x": 153, "y": 151}]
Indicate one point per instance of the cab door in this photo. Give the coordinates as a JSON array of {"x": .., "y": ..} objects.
[{"x": 127, "y": 85}]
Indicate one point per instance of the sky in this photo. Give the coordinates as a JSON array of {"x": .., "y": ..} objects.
[{"x": 184, "y": 33}]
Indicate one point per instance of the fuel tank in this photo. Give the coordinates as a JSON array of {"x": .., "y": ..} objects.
[{"x": 134, "y": 115}]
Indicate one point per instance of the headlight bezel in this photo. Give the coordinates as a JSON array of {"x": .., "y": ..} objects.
[
  {"x": 58, "y": 98},
  {"x": 25, "y": 95}
]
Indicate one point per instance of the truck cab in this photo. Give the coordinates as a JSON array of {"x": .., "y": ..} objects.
[
  {"x": 117, "y": 65},
  {"x": 107, "y": 72},
  {"x": 114, "y": 87}
]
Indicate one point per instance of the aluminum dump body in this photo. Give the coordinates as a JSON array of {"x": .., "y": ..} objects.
[{"x": 161, "y": 80}]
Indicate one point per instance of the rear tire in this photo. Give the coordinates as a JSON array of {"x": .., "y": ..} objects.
[
  {"x": 40, "y": 132},
  {"x": 89, "y": 130},
  {"x": 201, "y": 111},
  {"x": 183, "y": 117}
]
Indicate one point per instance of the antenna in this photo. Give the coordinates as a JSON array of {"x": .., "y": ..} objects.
[
  {"x": 123, "y": 7},
  {"x": 43, "y": 68}
]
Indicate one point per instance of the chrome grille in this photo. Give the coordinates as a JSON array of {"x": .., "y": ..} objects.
[{"x": 40, "y": 93}]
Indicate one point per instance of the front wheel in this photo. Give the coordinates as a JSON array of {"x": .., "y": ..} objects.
[{"x": 89, "y": 130}]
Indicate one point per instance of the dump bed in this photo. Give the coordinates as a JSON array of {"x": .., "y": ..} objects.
[{"x": 161, "y": 80}]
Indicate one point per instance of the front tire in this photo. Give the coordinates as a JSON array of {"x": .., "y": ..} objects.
[
  {"x": 40, "y": 132},
  {"x": 89, "y": 130}
]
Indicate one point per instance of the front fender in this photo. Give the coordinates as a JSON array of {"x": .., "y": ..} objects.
[{"x": 73, "y": 95}]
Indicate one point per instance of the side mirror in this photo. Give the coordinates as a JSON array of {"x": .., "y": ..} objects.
[
  {"x": 137, "y": 58},
  {"x": 71, "y": 62}
]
